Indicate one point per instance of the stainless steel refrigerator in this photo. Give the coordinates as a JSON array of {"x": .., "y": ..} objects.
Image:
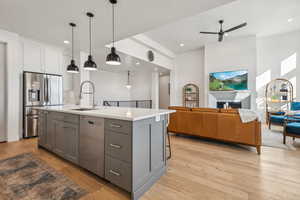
[{"x": 39, "y": 90}]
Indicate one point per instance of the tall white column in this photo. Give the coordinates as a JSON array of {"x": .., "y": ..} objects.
[{"x": 155, "y": 90}]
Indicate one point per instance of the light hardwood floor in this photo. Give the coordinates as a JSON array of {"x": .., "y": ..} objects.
[{"x": 198, "y": 170}]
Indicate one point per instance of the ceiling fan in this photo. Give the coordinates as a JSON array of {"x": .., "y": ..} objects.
[{"x": 221, "y": 32}]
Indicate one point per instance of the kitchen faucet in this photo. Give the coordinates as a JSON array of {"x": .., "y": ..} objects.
[{"x": 92, "y": 93}]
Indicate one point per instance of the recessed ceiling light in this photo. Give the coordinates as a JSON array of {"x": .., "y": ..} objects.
[
  {"x": 290, "y": 19},
  {"x": 226, "y": 34},
  {"x": 137, "y": 63},
  {"x": 181, "y": 44},
  {"x": 67, "y": 42}
]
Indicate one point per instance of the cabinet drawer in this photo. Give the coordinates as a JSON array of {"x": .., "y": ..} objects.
[
  {"x": 118, "y": 125},
  {"x": 71, "y": 118},
  {"x": 118, "y": 173},
  {"x": 118, "y": 145}
]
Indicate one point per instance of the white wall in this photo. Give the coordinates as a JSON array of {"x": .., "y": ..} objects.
[
  {"x": 232, "y": 55},
  {"x": 277, "y": 56},
  {"x": 141, "y": 82},
  {"x": 13, "y": 84},
  {"x": 188, "y": 68},
  {"x": 111, "y": 86},
  {"x": 164, "y": 96},
  {"x": 2, "y": 92}
]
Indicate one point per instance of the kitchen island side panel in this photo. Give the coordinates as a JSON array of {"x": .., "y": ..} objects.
[{"x": 148, "y": 153}]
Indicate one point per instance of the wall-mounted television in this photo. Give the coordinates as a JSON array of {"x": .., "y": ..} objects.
[{"x": 228, "y": 80}]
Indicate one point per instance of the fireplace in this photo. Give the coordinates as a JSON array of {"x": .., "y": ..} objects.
[
  {"x": 234, "y": 99},
  {"x": 238, "y": 104}
]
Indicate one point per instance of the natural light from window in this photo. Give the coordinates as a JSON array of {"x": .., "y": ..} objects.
[
  {"x": 289, "y": 64},
  {"x": 263, "y": 79}
]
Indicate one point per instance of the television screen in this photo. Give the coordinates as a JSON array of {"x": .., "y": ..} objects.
[{"x": 227, "y": 81}]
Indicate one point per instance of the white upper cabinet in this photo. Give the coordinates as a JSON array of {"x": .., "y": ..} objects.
[
  {"x": 53, "y": 60},
  {"x": 41, "y": 58},
  {"x": 32, "y": 56}
]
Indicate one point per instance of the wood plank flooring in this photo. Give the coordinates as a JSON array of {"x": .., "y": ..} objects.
[{"x": 199, "y": 169}]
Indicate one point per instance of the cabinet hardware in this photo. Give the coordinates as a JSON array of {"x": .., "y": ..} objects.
[
  {"x": 114, "y": 173},
  {"x": 91, "y": 122},
  {"x": 115, "y": 146},
  {"x": 115, "y": 125}
]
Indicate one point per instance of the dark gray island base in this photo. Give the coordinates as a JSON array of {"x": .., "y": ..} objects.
[{"x": 129, "y": 154}]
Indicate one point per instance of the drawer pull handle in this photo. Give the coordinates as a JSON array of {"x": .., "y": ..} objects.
[
  {"x": 91, "y": 122},
  {"x": 115, "y": 126},
  {"x": 115, "y": 146},
  {"x": 114, "y": 173}
]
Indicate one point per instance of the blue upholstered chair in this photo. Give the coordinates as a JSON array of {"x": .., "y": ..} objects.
[
  {"x": 279, "y": 117},
  {"x": 291, "y": 127},
  {"x": 295, "y": 106}
]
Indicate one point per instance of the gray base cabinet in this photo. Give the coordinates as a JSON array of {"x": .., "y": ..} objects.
[
  {"x": 129, "y": 154},
  {"x": 135, "y": 153},
  {"x": 91, "y": 144}
]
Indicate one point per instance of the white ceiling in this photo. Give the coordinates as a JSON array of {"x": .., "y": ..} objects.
[
  {"x": 264, "y": 17},
  {"x": 47, "y": 20},
  {"x": 129, "y": 63}
]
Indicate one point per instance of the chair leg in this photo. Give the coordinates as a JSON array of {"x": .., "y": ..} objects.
[
  {"x": 169, "y": 146},
  {"x": 269, "y": 125},
  {"x": 284, "y": 138},
  {"x": 294, "y": 138},
  {"x": 258, "y": 149}
]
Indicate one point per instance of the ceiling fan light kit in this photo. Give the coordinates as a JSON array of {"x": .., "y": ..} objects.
[{"x": 221, "y": 33}]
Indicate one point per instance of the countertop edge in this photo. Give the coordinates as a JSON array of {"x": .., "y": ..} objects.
[{"x": 109, "y": 116}]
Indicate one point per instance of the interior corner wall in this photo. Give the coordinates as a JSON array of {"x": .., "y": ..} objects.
[
  {"x": 232, "y": 55},
  {"x": 278, "y": 57},
  {"x": 188, "y": 68},
  {"x": 141, "y": 83}
]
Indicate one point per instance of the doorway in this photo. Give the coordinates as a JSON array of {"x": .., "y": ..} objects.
[
  {"x": 164, "y": 91},
  {"x": 2, "y": 92}
]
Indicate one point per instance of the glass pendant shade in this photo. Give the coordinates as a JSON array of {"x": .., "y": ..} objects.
[
  {"x": 72, "y": 68},
  {"x": 113, "y": 58},
  {"x": 90, "y": 64}
]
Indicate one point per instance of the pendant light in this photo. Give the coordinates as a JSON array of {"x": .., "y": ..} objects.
[
  {"x": 90, "y": 64},
  {"x": 72, "y": 68},
  {"x": 113, "y": 58},
  {"x": 128, "y": 85}
]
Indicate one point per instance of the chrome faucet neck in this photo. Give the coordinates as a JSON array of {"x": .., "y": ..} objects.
[{"x": 93, "y": 88}]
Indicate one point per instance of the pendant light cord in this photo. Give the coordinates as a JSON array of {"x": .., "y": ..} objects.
[
  {"x": 90, "y": 35},
  {"x": 72, "y": 42},
  {"x": 113, "y": 23}
]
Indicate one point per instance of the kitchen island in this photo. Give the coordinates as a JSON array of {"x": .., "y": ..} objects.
[{"x": 126, "y": 146}]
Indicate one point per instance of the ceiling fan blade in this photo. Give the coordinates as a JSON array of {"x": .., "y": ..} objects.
[
  {"x": 209, "y": 32},
  {"x": 220, "y": 38},
  {"x": 236, "y": 27}
]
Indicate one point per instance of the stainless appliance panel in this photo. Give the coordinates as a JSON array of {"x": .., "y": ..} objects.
[
  {"x": 54, "y": 91},
  {"x": 33, "y": 89},
  {"x": 31, "y": 125}
]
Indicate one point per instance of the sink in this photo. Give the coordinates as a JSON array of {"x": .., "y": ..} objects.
[{"x": 84, "y": 109}]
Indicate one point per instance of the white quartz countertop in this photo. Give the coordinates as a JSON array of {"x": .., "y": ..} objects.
[{"x": 129, "y": 114}]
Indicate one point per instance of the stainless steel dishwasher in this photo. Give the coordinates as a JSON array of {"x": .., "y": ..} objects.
[{"x": 91, "y": 144}]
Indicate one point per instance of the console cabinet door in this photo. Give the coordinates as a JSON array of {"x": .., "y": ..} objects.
[
  {"x": 59, "y": 139},
  {"x": 71, "y": 141}
]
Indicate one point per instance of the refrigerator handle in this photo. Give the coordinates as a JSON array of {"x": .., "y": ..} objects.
[{"x": 46, "y": 90}]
